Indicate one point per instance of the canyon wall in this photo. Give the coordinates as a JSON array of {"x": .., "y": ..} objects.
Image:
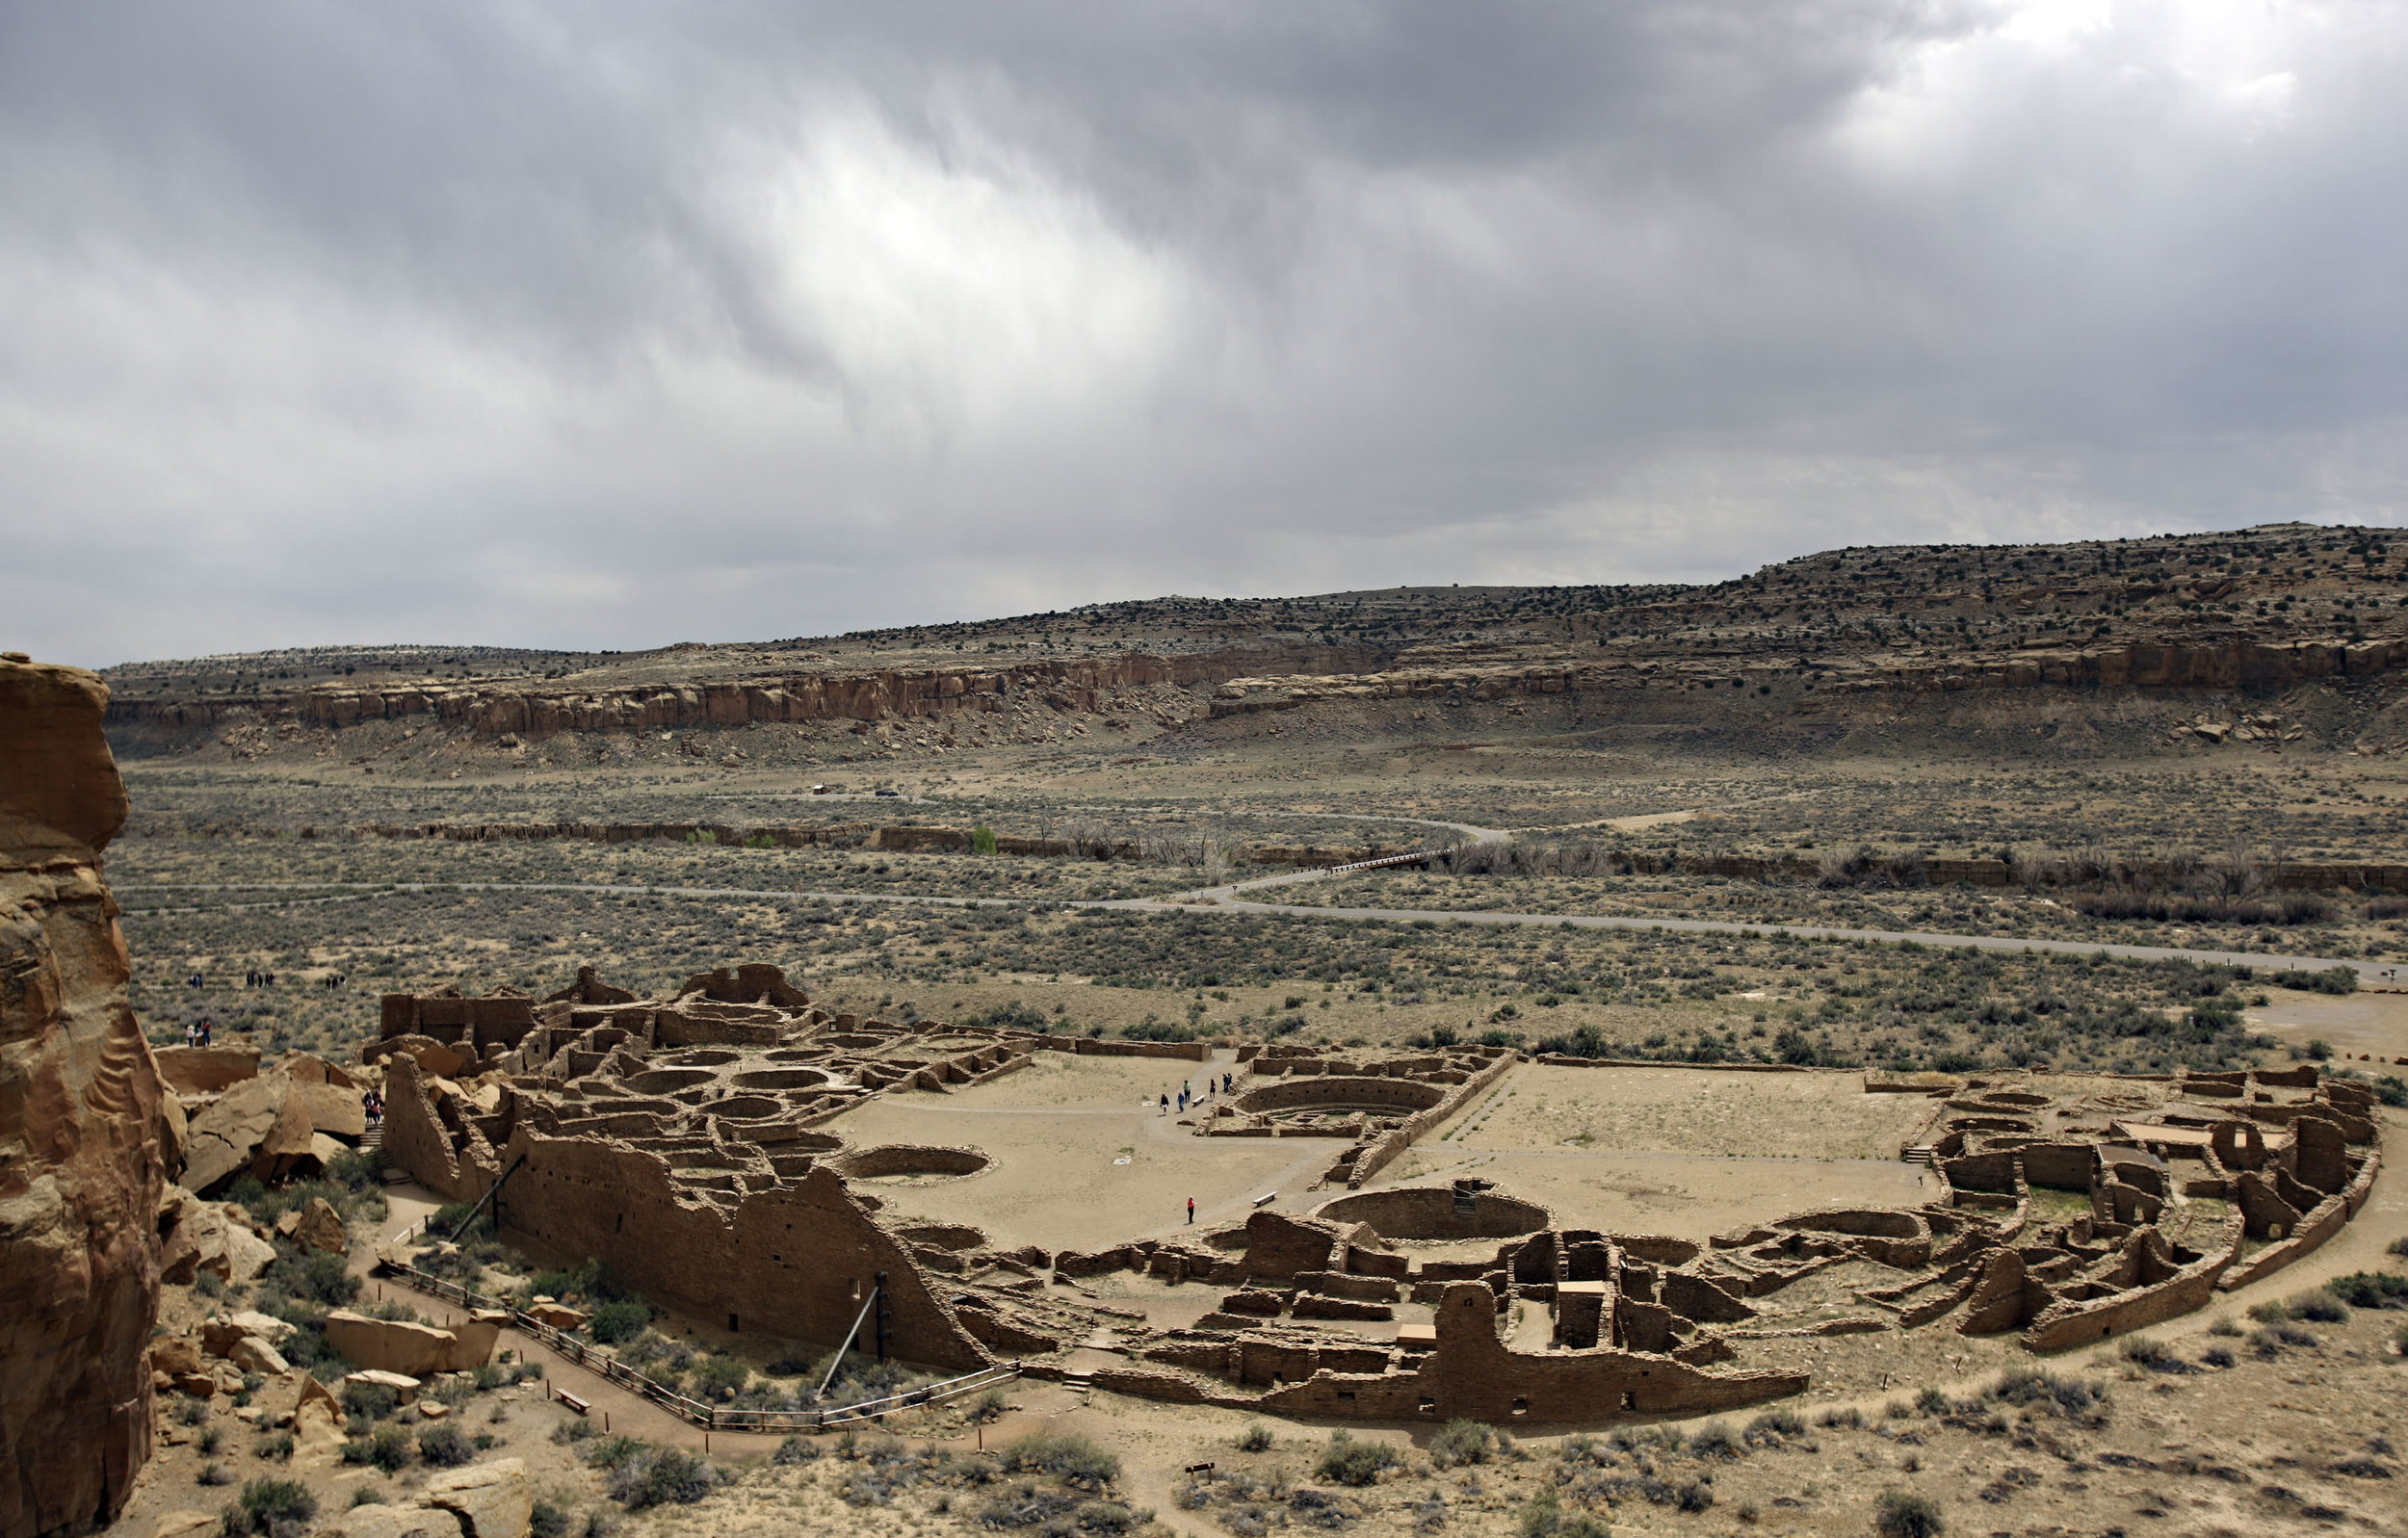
[
  {"x": 492, "y": 709},
  {"x": 81, "y": 1171},
  {"x": 2222, "y": 665}
]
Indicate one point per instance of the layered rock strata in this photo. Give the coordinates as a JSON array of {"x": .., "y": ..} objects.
[{"x": 81, "y": 1125}]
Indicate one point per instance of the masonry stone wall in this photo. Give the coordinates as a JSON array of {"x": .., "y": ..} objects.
[{"x": 785, "y": 1263}]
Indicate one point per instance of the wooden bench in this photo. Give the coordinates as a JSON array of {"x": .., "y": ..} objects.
[
  {"x": 1267, "y": 1198},
  {"x": 569, "y": 1399}
]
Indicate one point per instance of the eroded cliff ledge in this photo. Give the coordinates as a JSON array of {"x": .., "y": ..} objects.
[{"x": 80, "y": 1104}]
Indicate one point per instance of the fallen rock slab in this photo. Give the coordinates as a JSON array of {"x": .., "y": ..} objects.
[
  {"x": 205, "y": 1070},
  {"x": 203, "y": 1237},
  {"x": 401, "y": 1346},
  {"x": 260, "y": 1126},
  {"x": 376, "y": 1521},
  {"x": 492, "y": 1500}
]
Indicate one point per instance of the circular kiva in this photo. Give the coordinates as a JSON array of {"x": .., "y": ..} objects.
[
  {"x": 783, "y": 1079},
  {"x": 1430, "y": 1212},
  {"x": 908, "y": 1161},
  {"x": 700, "y": 1057},
  {"x": 746, "y": 1107},
  {"x": 1381, "y": 1097},
  {"x": 662, "y": 1080},
  {"x": 944, "y": 1235}
]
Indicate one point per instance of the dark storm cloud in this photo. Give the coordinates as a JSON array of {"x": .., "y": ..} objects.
[{"x": 612, "y": 324}]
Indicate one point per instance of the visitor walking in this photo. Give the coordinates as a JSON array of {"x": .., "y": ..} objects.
[
  {"x": 1191, "y": 1208},
  {"x": 1165, "y": 1106}
]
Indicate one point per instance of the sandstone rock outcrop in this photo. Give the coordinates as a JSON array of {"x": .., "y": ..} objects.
[
  {"x": 492, "y": 1500},
  {"x": 197, "y": 1236},
  {"x": 81, "y": 1108},
  {"x": 398, "y": 1345}
]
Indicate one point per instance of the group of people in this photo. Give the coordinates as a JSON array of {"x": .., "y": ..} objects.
[
  {"x": 373, "y": 1103},
  {"x": 1189, "y": 1097},
  {"x": 258, "y": 979},
  {"x": 198, "y": 1033}
]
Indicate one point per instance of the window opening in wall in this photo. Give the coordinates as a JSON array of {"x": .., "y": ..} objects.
[
  {"x": 1521, "y": 1407},
  {"x": 731, "y": 1325}
]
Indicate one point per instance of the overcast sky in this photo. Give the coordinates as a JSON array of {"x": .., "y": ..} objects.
[{"x": 614, "y": 325}]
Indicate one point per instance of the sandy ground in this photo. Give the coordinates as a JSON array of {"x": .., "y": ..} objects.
[
  {"x": 1082, "y": 1158},
  {"x": 1684, "y": 1110},
  {"x": 1688, "y": 1152},
  {"x": 2369, "y": 1025}
]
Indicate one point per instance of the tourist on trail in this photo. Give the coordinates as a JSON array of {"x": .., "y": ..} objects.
[
  {"x": 1165, "y": 1106},
  {"x": 1191, "y": 1208}
]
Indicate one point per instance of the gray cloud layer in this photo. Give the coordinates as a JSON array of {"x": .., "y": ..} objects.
[{"x": 614, "y": 325}]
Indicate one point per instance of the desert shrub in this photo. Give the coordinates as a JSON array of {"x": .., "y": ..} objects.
[
  {"x": 2318, "y": 1307},
  {"x": 2370, "y": 1289},
  {"x": 2217, "y": 1356},
  {"x": 1255, "y": 1438},
  {"x": 2332, "y": 979},
  {"x": 658, "y": 1476},
  {"x": 720, "y": 1377},
  {"x": 1697, "y": 1495},
  {"x": 1931, "y": 1401},
  {"x": 796, "y": 1448},
  {"x": 1903, "y": 1514},
  {"x": 276, "y": 1507},
  {"x": 278, "y": 1446},
  {"x": 619, "y": 1320},
  {"x": 1348, "y": 1461},
  {"x": 1713, "y": 1440},
  {"x": 369, "y": 1401},
  {"x": 1461, "y": 1441},
  {"x": 214, "y": 1473},
  {"x": 547, "y": 1521},
  {"x": 612, "y": 1452},
  {"x": 1773, "y": 1426},
  {"x": 387, "y": 1446},
  {"x": 1064, "y": 1454},
  {"x": 2144, "y": 1352},
  {"x": 314, "y": 1279},
  {"x": 1846, "y": 1418},
  {"x": 445, "y": 1446}
]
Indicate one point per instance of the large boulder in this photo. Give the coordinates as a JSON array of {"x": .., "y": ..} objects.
[
  {"x": 197, "y": 1235},
  {"x": 81, "y": 1118},
  {"x": 219, "y": 1335},
  {"x": 259, "y": 1127},
  {"x": 402, "y": 1345},
  {"x": 492, "y": 1500},
  {"x": 316, "y": 1227},
  {"x": 206, "y": 1070},
  {"x": 379, "y": 1521},
  {"x": 329, "y": 1097}
]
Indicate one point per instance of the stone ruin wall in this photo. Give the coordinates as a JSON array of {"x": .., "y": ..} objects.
[
  {"x": 794, "y": 1263},
  {"x": 1640, "y": 1320},
  {"x": 85, "y": 1125}
]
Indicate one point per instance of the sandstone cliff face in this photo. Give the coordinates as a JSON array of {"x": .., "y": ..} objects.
[
  {"x": 80, "y": 1124},
  {"x": 490, "y": 709}
]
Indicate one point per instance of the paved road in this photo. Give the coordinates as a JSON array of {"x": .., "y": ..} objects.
[{"x": 1223, "y": 899}]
